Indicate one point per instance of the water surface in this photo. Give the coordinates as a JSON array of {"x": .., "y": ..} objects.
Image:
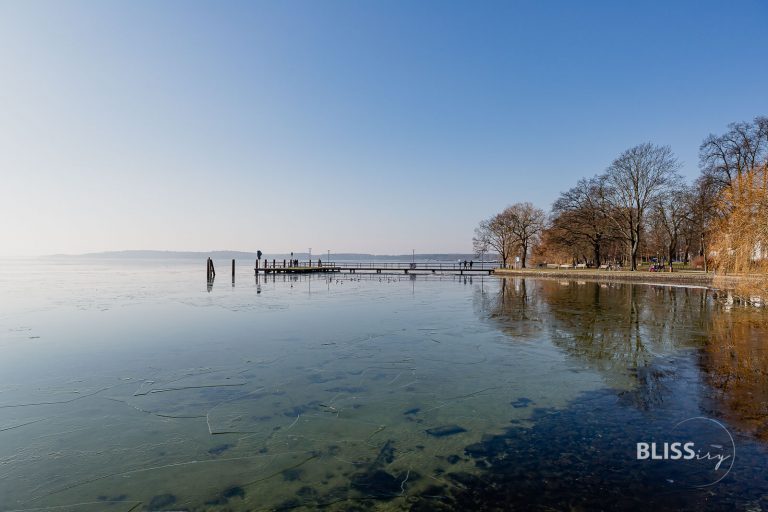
[{"x": 135, "y": 386}]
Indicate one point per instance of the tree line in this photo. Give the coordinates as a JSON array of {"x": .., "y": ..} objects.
[{"x": 641, "y": 207}]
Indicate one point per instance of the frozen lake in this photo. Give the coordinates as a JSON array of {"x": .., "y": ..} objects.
[{"x": 131, "y": 386}]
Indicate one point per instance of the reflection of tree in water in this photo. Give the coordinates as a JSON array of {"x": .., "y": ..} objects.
[
  {"x": 615, "y": 329},
  {"x": 735, "y": 362},
  {"x": 628, "y": 332},
  {"x": 515, "y": 307},
  {"x": 613, "y": 324},
  {"x": 621, "y": 330},
  {"x": 623, "y": 325}
]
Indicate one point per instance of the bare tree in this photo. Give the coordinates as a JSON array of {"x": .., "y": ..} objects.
[
  {"x": 515, "y": 229},
  {"x": 495, "y": 234},
  {"x": 580, "y": 217},
  {"x": 702, "y": 211},
  {"x": 634, "y": 182},
  {"x": 725, "y": 158},
  {"x": 526, "y": 224},
  {"x": 670, "y": 214},
  {"x": 556, "y": 244}
]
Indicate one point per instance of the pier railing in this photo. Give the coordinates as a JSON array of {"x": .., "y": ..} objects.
[
  {"x": 301, "y": 267},
  {"x": 376, "y": 265},
  {"x": 476, "y": 265}
]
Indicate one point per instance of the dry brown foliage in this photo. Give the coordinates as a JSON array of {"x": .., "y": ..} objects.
[{"x": 740, "y": 235}]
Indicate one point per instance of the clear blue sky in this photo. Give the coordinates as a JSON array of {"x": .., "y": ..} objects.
[{"x": 344, "y": 125}]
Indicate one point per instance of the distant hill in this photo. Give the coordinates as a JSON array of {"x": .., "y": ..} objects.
[
  {"x": 239, "y": 255},
  {"x": 153, "y": 255}
]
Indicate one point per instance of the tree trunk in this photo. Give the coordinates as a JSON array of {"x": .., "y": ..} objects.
[
  {"x": 522, "y": 257},
  {"x": 596, "y": 249},
  {"x": 671, "y": 253},
  {"x": 635, "y": 247}
]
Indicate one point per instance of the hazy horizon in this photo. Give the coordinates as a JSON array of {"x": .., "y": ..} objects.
[
  {"x": 139, "y": 252},
  {"x": 374, "y": 127}
]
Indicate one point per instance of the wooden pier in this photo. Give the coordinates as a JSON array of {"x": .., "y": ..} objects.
[{"x": 307, "y": 267}]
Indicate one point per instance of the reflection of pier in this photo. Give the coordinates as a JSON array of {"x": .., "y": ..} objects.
[
  {"x": 319, "y": 266},
  {"x": 308, "y": 279}
]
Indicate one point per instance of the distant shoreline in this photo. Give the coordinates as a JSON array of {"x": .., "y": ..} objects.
[{"x": 238, "y": 255}]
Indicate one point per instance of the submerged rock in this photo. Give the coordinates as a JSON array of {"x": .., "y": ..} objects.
[
  {"x": 121, "y": 497},
  {"x": 227, "y": 494},
  {"x": 521, "y": 402},
  {"x": 218, "y": 450},
  {"x": 445, "y": 430},
  {"x": 293, "y": 474},
  {"x": 386, "y": 454},
  {"x": 453, "y": 459},
  {"x": 234, "y": 492},
  {"x": 378, "y": 483},
  {"x": 162, "y": 501}
]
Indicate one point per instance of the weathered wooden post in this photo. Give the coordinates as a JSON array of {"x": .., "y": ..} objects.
[
  {"x": 233, "y": 271},
  {"x": 283, "y": 263}
]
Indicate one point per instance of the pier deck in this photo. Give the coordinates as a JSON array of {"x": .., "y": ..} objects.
[{"x": 277, "y": 267}]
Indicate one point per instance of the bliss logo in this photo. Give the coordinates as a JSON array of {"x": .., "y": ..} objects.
[
  {"x": 671, "y": 451},
  {"x": 699, "y": 463}
]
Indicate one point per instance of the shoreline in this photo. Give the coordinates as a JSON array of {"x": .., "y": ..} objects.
[{"x": 692, "y": 278}]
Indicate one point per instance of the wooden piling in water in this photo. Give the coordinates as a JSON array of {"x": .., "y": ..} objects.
[
  {"x": 210, "y": 271},
  {"x": 233, "y": 270}
]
